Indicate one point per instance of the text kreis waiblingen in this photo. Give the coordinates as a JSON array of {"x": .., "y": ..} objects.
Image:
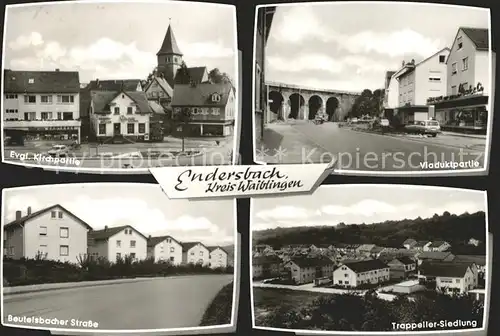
[{"x": 240, "y": 181}]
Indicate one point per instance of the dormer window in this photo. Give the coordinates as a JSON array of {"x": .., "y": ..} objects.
[
  {"x": 215, "y": 98},
  {"x": 31, "y": 80}
]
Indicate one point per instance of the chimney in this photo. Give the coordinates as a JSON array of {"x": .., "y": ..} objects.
[
  {"x": 105, "y": 227},
  {"x": 18, "y": 215},
  {"x": 97, "y": 82},
  {"x": 29, "y": 211},
  {"x": 57, "y": 70},
  {"x": 412, "y": 61},
  {"x": 149, "y": 237}
]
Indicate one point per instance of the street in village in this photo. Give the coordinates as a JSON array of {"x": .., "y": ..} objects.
[{"x": 362, "y": 150}]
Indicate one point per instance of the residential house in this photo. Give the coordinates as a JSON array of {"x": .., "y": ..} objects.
[
  {"x": 195, "y": 253},
  {"x": 474, "y": 241},
  {"x": 479, "y": 260},
  {"x": 365, "y": 249},
  {"x": 158, "y": 90},
  {"x": 464, "y": 106},
  {"x": 417, "y": 82},
  {"x": 421, "y": 245},
  {"x": 448, "y": 278},
  {"x": 119, "y": 115},
  {"x": 52, "y": 232},
  {"x": 265, "y": 267},
  {"x": 196, "y": 75},
  {"x": 437, "y": 246},
  {"x": 353, "y": 274},
  {"x": 433, "y": 256},
  {"x": 165, "y": 248},
  {"x": 262, "y": 248},
  {"x": 409, "y": 243},
  {"x": 114, "y": 243},
  {"x": 217, "y": 257},
  {"x": 305, "y": 270},
  {"x": 41, "y": 103},
  {"x": 262, "y": 113},
  {"x": 402, "y": 267},
  {"x": 211, "y": 108}
]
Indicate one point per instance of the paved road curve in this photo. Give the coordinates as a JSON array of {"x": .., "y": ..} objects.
[
  {"x": 150, "y": 304},
  {"x": 373, "y": 152}
]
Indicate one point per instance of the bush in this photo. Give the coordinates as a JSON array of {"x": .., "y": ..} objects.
[
  {"x": 38, "y": 270},
  {"x": 219, "y": 311}
]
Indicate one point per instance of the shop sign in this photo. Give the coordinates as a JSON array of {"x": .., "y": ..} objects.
[{"x": 129, "y": 119}]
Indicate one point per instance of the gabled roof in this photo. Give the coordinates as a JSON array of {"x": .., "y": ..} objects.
[
  {"x": 437, "y": 243},
  {"x": 213, "y": 248},
  {"x": 22, "y": 220},
  {"x": 449, "y": 270},
  {"x": 106, "y": 233},
  {"x": 153, "y": 241},
  {"x": 412, "y": 68},
  {"x": 189, "y": 245},
  {"x": 162, "y": 82},
  {"x": 405, "y": 260},
  {"x": 196, "y": 75},
  {"x": 169, "y": 45},
  {"x": 266, "y": 260},
  {"x": 41, "y": 81},
  {"x": 434, "y": 255},
  {"x": 114, "y": 84},
  {"x": 476, "y": 259},
  {"x": 200, "y": 94},
  {"x": 156, "y": 108},
  {"x": 101, "y": 100},
  {"x": 478, "y": 36},
  {"x": 365, "y": 265},
  {"x": 305, "y": 262}
]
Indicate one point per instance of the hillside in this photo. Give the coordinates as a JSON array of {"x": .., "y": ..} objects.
[{"x": 456, "y": 229}]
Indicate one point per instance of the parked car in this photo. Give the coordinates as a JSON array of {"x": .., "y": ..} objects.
[
  {"x": 430, "y": 127},
  {"x": 58, "y": 150}
]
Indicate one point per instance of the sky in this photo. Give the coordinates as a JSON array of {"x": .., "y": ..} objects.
[
  {"x": 117, "y": 40},
  {"x": 350, "y": 47},
  {"x": 358, "y": 204},
  {"x": 144, "y": 206}
]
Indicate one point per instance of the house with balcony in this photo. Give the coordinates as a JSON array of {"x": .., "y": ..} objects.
[
  {"x": 52, "y": 233},
  {"x": 417, "y": 81},
  {"x": 165, "y": 249},
  {"x": 118, "y": 116},
  {"x": 262, "y": 113},
  {"x": 218, "y": 257},
  {"x": 354, "y": 274},
  {"x": 114, "y": 243},
  {"x": 209, "y": 109},
  {"x": 195, "y": 253},
  {"x": 41, "y": 104},
  {"x": 464, "y": 105}
]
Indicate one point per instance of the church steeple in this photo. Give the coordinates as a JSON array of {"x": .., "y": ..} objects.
[{"x": 169, "y": 56}]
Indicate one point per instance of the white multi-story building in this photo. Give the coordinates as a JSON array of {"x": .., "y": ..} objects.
[
  {"x": 165, "y": 248},
  {"x": 353, "y": 274},
  {"x": 120, "y": 114},
  {"x": 195, "y": 253},
  {"x": 218, "y": 257},
  {"x": 449, "y": 278},
  {"x": 42, "y": 103},
  {"x": 52, "y": 233},
  {"x": 117, "y": 242}
]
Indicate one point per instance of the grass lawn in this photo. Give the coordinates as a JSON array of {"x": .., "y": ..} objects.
[
  {"x": 268, "y": 299},
  {"x": 220, "y": 310}
]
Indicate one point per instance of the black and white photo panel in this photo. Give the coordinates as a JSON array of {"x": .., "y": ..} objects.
[
  {"x": 146, "y": 85},
  {"x": 370, "y": 258},
  {"x": 87, "y": 258},
  {"x": 338, "y": 82}
]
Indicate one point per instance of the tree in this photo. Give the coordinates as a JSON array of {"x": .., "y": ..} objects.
[
  {"x": 216, "y": 76},
  {"x": 182, "y": 119},
  {"x": 368, "y": 103},
  {"x": 183, "y": 76}
]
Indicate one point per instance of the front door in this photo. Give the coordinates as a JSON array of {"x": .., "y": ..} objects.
[{"x": 117, "y": 128}]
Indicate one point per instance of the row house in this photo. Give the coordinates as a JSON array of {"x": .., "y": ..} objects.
[
  {"x": 446, "y": 277},
  {"x": 52, "y": 233},
  {"x": 119, "y": 115},
  {"x": 116, "y": 243},
  {"x": 205, "y": 109},
  {"x": 262, "y": 113},
  {"x": 41, "y": 104},
  {"x": 266, "y": 267},
  {"x": 357, "y": 273},
  {"x": 464, "y": 105},
  {"x": 413, "y": 84},
  {"x": 402, "y": 267},
  {"x": 307, "y": 269}
]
